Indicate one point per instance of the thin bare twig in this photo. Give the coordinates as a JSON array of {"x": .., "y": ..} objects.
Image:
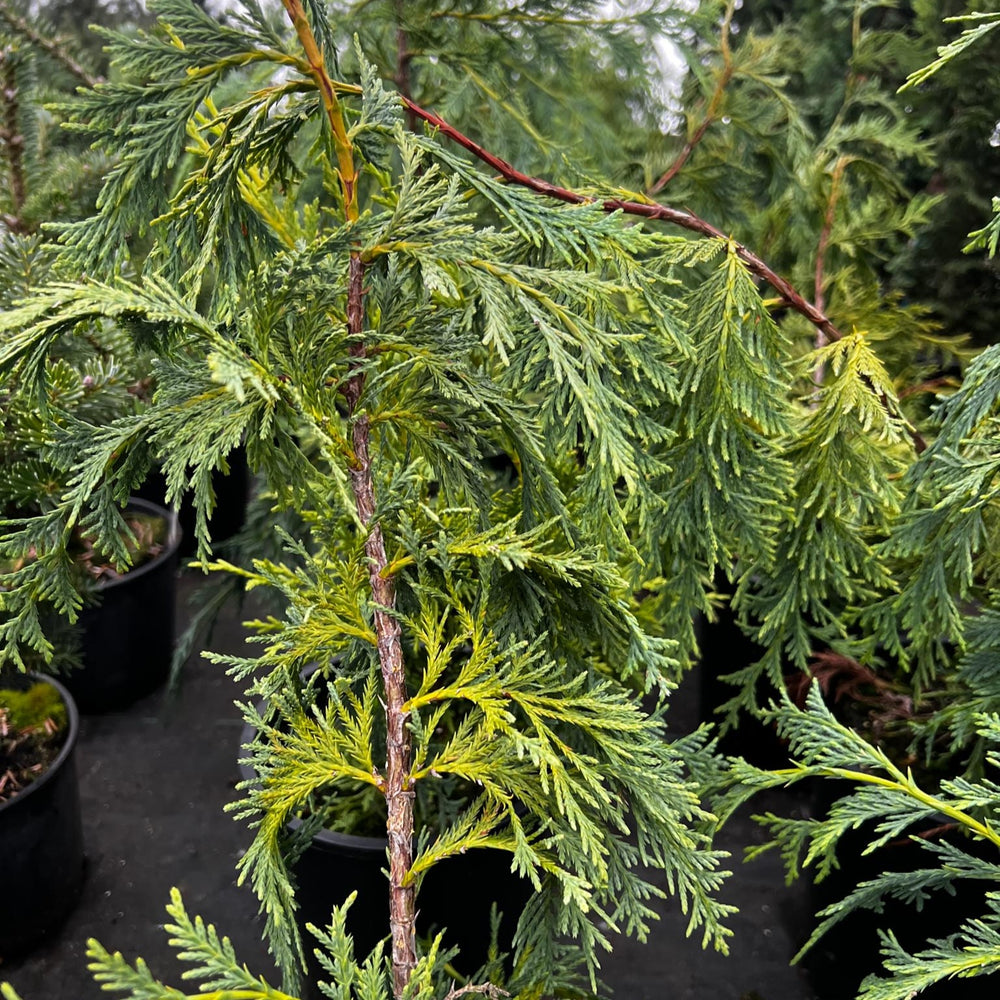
[
  {"x": 819, "y": 277},
  {"x": 931, "y": 385},
  {"x": 11, "y": 139},
  {"x": 682, "y": 157},
  {"x": 488, "y": 989},
  {"x": 711, "y": 112},
  {"x": 824, "y": 235}
]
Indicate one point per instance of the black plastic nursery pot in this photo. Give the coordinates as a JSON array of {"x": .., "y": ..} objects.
[
  {"x": 41, "y": 845},
  {"x": 457, "y": 895},
  {"x": 127, "y": 639},
  {"x": 232, "y": 492}
]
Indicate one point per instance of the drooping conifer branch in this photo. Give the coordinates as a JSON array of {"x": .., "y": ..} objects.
[
  {"x": 398, "y": 795},
  {"x": 647, "y": 210},
  {"x": 790, "y": 297}
]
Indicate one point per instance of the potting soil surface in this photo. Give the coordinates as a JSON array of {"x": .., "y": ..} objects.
[{"x": 154, "y": 780}]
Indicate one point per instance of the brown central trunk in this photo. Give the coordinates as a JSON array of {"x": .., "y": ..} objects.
[{"x": 398, "y": 795}]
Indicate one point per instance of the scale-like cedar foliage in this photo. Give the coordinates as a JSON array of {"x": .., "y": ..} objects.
[
  {"x": 495, "y": 323},
  {"x": 889, "y": 804},
  {"x": 522, "y": 437}
]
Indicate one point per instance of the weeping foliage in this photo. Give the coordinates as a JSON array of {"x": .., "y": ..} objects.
[
  {"x": 516, "y": 356},
  {"x": 86, "y": 380},
  {"x": 572, "y": 425},
  {"x": 845, "y": 501},
  {"x": 888, "y": 803}
]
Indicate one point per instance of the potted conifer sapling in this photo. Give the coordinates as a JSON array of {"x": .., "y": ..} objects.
[
  {"x": 379, "y": 307},
  {"x": 121, "y": 646},
  {"x": 364, "y": 343}
]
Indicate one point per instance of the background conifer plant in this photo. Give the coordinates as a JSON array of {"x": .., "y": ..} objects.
[
  {"x": 94, "y": 375},
  {"x": 936, "y": 790},
  {"x": 525, "y": 425},
  {"x": 950, "y": 821}
]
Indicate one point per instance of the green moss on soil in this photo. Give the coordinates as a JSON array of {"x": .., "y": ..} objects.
[
  {"x": 32, "y": 708},
  {"x": 33, "y": 729}
]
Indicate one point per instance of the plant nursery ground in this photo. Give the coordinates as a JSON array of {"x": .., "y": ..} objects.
[{"x": 154, "y": 780}]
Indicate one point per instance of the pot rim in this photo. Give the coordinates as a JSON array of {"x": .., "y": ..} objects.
[
  {"x": 170, "y": 546},
  {"x": 73, "y": 720}
]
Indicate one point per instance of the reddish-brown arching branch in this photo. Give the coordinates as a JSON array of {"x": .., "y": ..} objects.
[
  {"x": 648, "y": 210},
  {"x": 651, "y": 210}
]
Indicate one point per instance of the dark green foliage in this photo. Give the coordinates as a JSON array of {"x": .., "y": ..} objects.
[
  {"x": 47, "y": 174},
  {"x": 888, "y": 803},
  {"x": 506, "y": 72},
  {"x": 949, "y": 103}
]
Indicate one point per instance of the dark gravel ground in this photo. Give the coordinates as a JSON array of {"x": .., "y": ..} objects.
[{"x": 154, "y": 780}]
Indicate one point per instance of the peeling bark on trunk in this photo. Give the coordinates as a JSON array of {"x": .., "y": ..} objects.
[{"x": 398, "y": 794}]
